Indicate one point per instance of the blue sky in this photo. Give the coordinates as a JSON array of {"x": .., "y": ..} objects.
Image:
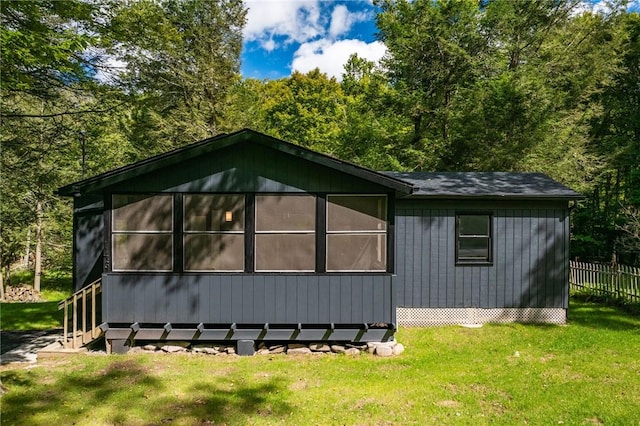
[{"x": 286, "y": 35}]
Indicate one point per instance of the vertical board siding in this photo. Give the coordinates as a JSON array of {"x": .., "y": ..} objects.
[
  {"x": 88, "y": 234},
  {"x": 530, "y": 256},
  {"x": 248, "y": 168},
  {"x": 249, "y": 299}
]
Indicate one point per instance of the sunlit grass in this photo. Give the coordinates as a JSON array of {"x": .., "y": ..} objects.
[
  {"x": 55, "y": 286},
  {"x": 585, "y": 373}
]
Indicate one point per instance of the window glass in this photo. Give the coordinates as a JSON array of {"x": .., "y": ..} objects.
[
  {"x": 285, "y": 252},
  {"x": 214, "y": 252},
  {"x": 213, "y": 212},
  {"x": 285, "y": 213},
  {"x": 142, "y": 212},
  {"x": 473, "y": 248},
  {"x": 142, "y": 252},
  {"x": 356, "y": 252},
  {"x": 474, "y": 225},
  {"x": 473, "y": 238},
  {"x": 356, "y": 213}
]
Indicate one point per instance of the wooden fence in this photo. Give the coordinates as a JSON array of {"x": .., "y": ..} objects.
[{"x": 617, "y": 281}]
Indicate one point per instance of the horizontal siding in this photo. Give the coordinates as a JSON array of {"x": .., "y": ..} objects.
[
  {"x": 248, "y": 168},
  {"x": 530, "y": 256},
  {"x": 249, "y": 299}
]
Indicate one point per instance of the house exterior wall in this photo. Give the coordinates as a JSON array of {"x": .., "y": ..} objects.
[
  {"x": 192, "y": 298},
  {"x": 247, "y": 298},
  {"x": 88, "y": 240},
  {"x": 530, "y": 256}
]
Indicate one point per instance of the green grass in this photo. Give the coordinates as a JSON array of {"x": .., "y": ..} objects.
[
  {"x": 55, "y": 286},
  {"x": 585, "y": 373}
]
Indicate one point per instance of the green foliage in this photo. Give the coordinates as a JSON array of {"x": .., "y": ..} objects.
[
  {"x": 182, "y": 59},
  {"x": 504, "y": 85},
  {"x": 40, "y": 48}
]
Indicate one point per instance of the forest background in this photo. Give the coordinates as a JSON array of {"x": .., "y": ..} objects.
[{"x": 468, "y": 85}]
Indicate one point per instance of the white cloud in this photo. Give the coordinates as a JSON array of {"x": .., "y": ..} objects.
[
  {"x": 330, "y": 56},
  {"x": 342, "y": 20},
  {"x": 295, "y": 20}
]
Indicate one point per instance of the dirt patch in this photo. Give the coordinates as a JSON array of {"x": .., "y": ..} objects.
[
  {"x": 300, "y": 384},
  {"x": 448, "y": 403}
]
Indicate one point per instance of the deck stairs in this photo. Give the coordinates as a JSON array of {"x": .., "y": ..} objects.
[{"x": 82, "y": 312}]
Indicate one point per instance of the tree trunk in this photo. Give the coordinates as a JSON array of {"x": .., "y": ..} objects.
[
  {"x": 1, "y": 285},
  {"x": 38, "y": 254},
  {"x": 27, "y": 254}
]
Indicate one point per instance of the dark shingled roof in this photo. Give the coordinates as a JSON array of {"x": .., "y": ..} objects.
[{"x": 485, "y": 185}]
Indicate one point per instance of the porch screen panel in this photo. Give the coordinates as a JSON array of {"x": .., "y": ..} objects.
[
  {"x": 213, "y": 232},
  {"x": 357, "y": 233},
  {"x": 142, "y": 232},
  {"x": 285, "y": 233}
]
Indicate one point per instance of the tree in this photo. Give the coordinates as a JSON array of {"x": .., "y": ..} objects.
[
  {"x": 306, "y": 109},
  {"x": 182, "y": 58},
  {"x": 434, "y": 48}
]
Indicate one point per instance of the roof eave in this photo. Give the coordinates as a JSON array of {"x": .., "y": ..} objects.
[
  {"x": 104, "y": 180},
  {"x": 499, "y": 197}
]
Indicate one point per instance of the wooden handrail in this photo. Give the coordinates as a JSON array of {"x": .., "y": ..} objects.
[{"x": 88, "y": 332}]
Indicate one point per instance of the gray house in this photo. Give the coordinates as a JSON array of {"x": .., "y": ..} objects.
[{"x": 247, "y": 237}]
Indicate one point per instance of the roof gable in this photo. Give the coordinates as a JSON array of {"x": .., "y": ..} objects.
[{"x": 117, "y": 176}]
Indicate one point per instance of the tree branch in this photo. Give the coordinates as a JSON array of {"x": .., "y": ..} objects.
[{"x": 60, "y": 114}]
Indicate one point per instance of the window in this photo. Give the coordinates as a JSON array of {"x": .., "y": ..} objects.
[
  {"x": 285, "y": 233},
  {"x": 142, "y": 232},
  {"x": 473, "y": 238},
  {"x": 356, "y": 233},
  {"x": 213, "y": 232}
]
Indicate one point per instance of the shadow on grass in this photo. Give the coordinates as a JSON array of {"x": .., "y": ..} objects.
[
  {"x": 30, "y": 316},
  {"x": 126, "y": 392},
  {"x": 594, "y": 315}
]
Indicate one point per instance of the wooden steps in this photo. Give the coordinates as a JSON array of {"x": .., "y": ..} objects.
[{"x": 81, "y": 309}]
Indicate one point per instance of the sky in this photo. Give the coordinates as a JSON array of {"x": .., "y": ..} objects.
[
  {"x": 286, "y": 35},
  {"x": 282, "y": 36}
]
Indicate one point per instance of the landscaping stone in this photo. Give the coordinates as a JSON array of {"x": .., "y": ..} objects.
[
  {"x": 320, "y": 347},
  {"x": 352, "y": 351},
  {"x": 173, "y": 349},
  {"x": 150, "y": 348},
  {"x": 339, "y": 349},
  {"x": 277, "y": 349},
  {"x": 299, "y": 351},
  {"x": 384, "y": 350},
  {"x": 359, "y": 346},
  {"x": 231, "y": 350},
  {"x": 398, "y": 349},
  {"x": 296, "y": 345}
]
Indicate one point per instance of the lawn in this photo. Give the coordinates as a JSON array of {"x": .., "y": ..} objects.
[
  {"x": 37, "y": 316},
  {"x": 585, "y": 373}
]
